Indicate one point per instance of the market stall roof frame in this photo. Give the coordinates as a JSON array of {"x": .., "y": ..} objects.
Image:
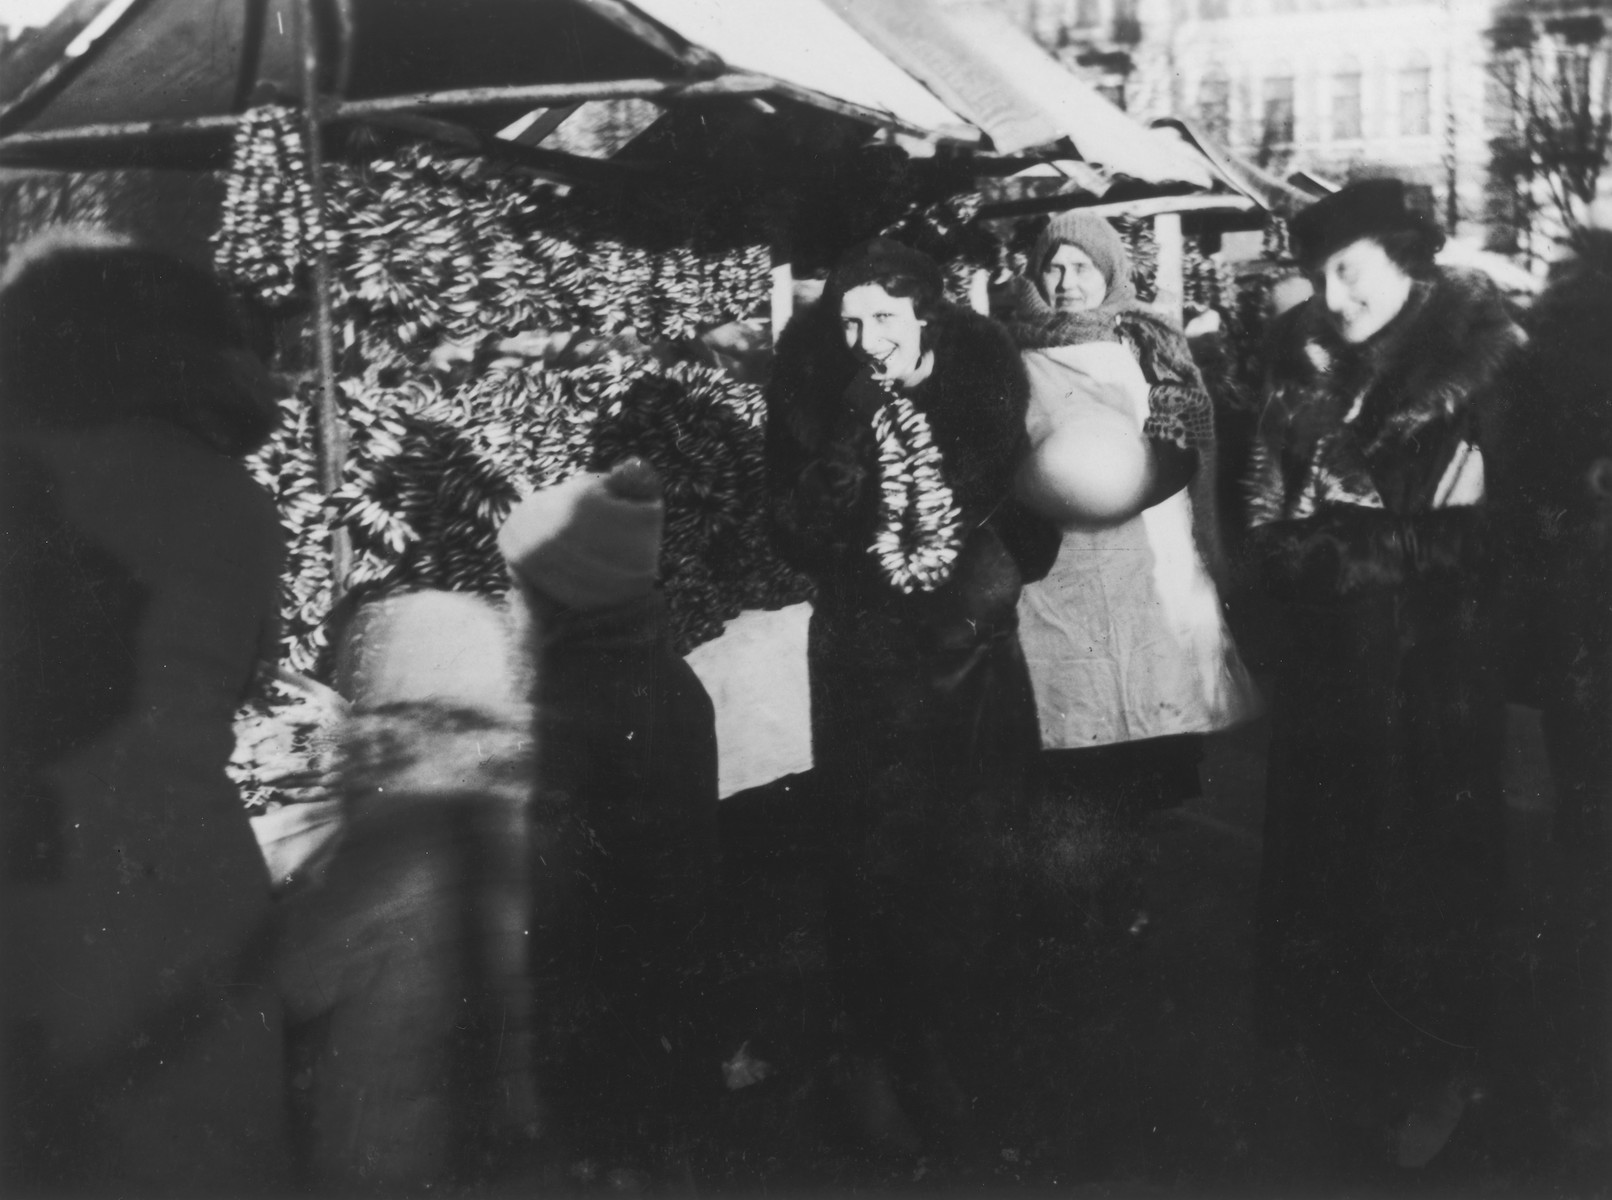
[{"x": 163, "y": 81}]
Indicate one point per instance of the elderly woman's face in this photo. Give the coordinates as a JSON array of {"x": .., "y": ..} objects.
[
  {"x": 1073, "y": 282},
  {"x": 1363, "y": 289},
  {"x": 884, "y": 332}
]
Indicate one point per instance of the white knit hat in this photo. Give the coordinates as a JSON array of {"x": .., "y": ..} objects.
[{"x": 592, "y": 541}]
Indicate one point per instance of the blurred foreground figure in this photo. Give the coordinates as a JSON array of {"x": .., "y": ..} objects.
[
  {"x": 141, "y": 1052},
  {"x": 406, "y": 962},
  {"x": 1560, "y": 493},
  {"x": 1383, "y": 854},
  {"x": 629, "y": 746}
]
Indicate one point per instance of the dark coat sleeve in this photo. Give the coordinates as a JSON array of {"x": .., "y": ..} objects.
[
  {"x": 981, "y": 418},
  {"x": 820, "y": 460}
]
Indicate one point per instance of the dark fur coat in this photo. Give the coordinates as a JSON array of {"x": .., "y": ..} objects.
[
  {"x": 1344, "y": 501},
  {"x": 923, "y": 723},
  {"x": 823, "y": 464},
  {"x": 823, "y": 477},
  {"x": 1383, "y": 837}
]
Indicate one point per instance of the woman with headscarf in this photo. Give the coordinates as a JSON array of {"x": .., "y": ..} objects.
[
  {"x": 1129, "y": 654},
  {"x": 895, "y": 424},
  {"x": 1383, "y": 827}
]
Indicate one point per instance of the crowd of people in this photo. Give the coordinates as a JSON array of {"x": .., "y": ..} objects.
[{"x": 1018, "y": 577}]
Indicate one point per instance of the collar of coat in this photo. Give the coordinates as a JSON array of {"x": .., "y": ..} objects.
[{"x": 1446, "y": 347}]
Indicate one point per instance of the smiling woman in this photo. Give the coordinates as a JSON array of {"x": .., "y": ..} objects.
[
  {"x": 887, "y": 334},
  {"x": 895, "y": 426},
  {"x": 1383, "y": 833}
]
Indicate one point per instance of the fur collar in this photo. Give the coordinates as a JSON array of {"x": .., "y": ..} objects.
[
  {"x": 1448, "y": 345},
  {"x": 977, "y": 384}
]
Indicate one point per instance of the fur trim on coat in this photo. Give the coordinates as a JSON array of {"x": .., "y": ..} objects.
[
  {"x": 822, "y": 460},
  {"x": 1356, "y": 442}
]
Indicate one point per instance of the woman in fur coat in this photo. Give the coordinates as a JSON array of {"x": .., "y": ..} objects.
[
  {"x": 1383, "y": 813},
  {"x": 895, "y": 424}
]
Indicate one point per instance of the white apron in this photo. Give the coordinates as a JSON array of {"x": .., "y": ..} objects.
[{"x": 1124, "y": 637}]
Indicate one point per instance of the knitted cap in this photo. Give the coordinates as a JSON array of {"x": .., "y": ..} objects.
[
  {"x": 1094, "y": 235},
  {"x": 1369, "y": 208},
  {"x": 592, "y": 541}
]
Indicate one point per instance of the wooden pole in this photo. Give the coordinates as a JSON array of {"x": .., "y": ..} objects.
[
  {"x": 332, "y": 430},
  {"x": 979, "y": 291},
  {"x": 1170, "y": 279},
  {"x": 783, "y": 293}
]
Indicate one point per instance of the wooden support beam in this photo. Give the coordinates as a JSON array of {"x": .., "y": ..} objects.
[
  {"x": 332, "y": 446},
  {"x": 1169, "y": 279},
  {"x": 535, "y": 95},
  {"x": 554, "y": 165}
]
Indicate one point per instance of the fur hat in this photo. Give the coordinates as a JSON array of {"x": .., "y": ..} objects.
[
  {"x": 1093, "y": 234},
  {"x": 1382, "y": 209},
  {"x": 592, "y": 541}
]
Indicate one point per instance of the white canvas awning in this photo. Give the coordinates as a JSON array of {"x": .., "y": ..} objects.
[
  {"x": 804, "y": 43},
  {"x": 993, "y": 75}
]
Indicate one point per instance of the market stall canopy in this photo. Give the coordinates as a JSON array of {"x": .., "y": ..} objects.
[
  {"x": 804, "y": 43},
  {"x": 992, "y": 74},
  {"x": 164, "y": 80},
  {"x": 1234, "y": 173},
  {"x": 1236, "y": 194}
]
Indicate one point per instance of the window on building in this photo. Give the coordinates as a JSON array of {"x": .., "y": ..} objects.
[
  {"x": 1214, "y": 105},
  {"x": 1346, "y": 104},
  {"x": 1127, "y": 30},
  {"x": 1278, "y": 110},
  {"x": 1416, "y": 101},
  {"x": 1573, "y": 77}
]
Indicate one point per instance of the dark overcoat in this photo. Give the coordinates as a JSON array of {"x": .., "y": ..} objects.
[
  {"x": 1374, "y": 531},
  {"x": 923, "y": 724}
]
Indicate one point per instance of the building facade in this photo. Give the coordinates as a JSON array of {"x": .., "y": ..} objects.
[{"x": 1331, "y": 87}]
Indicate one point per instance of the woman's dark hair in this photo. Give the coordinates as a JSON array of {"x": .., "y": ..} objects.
[
  {"x": 898, "y": 269},
  {"x": 96, "y": 328}
]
